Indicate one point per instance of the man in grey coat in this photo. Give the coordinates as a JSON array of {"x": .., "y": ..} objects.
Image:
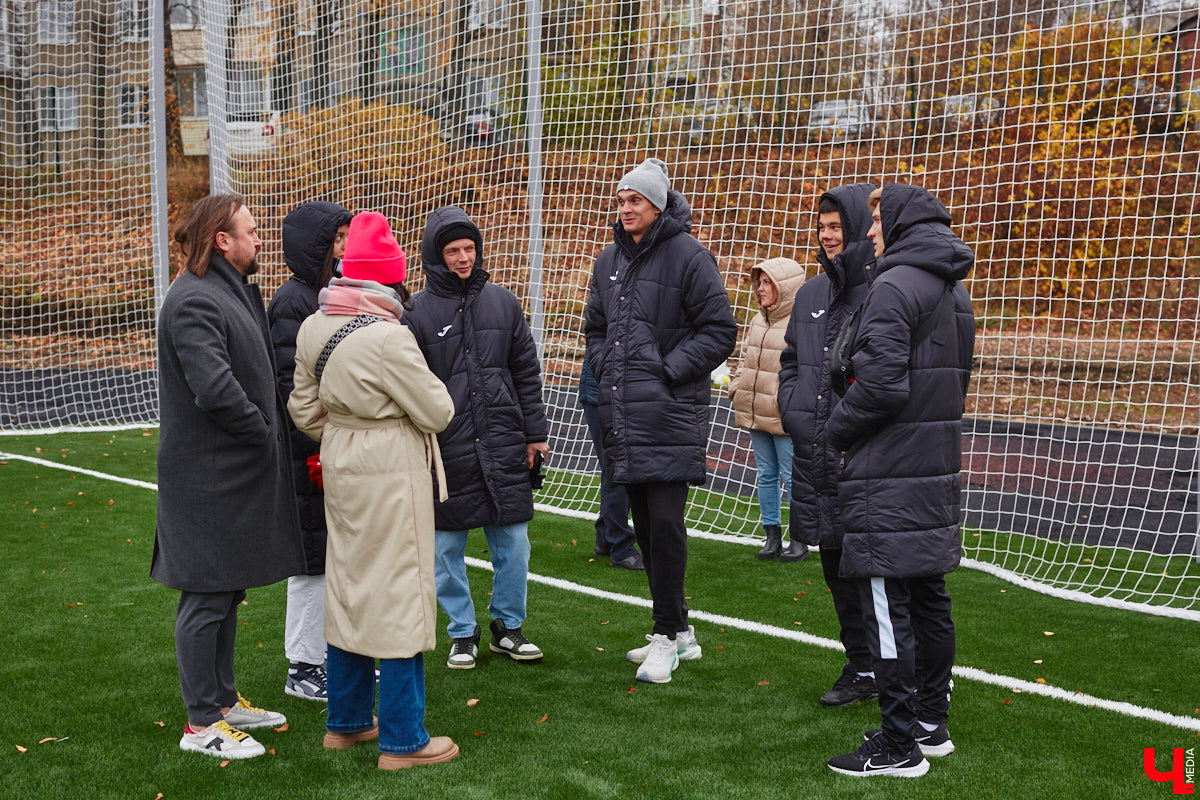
[{"x": 226, "y": 515}]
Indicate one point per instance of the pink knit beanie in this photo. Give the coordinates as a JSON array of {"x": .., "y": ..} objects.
[{"x": 372, "y": 252}]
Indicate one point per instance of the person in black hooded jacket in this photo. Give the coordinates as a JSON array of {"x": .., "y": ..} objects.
[
  {"x": 314, "y": 238},
  {"x": 476, "y": 339},
  {"x": 658, "y": 323},
  {"x": 899, "y": 427},
  {"x": 806, "y": 398}
]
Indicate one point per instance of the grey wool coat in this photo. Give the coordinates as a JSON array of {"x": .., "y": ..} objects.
[{"x": 226, "y": 511}]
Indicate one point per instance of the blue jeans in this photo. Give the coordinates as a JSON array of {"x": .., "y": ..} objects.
[
  {"x": 773, "y": 456},
  {"x": 509, "y": 548},
  {"x": 350, "y": 682}
]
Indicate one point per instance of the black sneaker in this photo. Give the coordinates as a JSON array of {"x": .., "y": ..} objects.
[
  {"x": 464, "y": 651},
  {"x": 875, "y": 757},
  {"x": 512, "y": 643},
  {"x": 306, "y": 681},
  {"x": 935, "y": 743},
  {"x": 850, "y": 688},
  {"x": 633, "y": 562}
]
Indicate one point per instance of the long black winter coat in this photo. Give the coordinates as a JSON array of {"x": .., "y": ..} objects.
[
  {"x": 308, "y": 234},
  {"x": 806, "y": 396},
  {"x": 658, "y": 323},
  {"x": 476, "y": 340},
  {"x": 226, "y": 515},
  {"x": 900, "y": 422}
]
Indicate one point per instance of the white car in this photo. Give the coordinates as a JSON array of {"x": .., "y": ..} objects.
[
  {"x": 838, "y": 121},
  {"x": 250, "y": 133}
]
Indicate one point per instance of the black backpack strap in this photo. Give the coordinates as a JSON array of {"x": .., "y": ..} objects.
[
  {"x": 934, "y": 322},
  {"x": 361, "y": 321}
]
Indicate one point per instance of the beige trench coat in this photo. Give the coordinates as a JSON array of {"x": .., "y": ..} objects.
[
  {"x": 376, "y": 413},
  {"x": 755, "y": 386}
]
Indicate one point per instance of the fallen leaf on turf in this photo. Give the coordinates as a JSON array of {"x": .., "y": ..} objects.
[
  {"x": 22, "y": 749},
  {"x": 1047, "y": 633},
  {"x": 48, "y": 739},
  {"x": 1037, "y": 661},
  {"x": 604, "y": 623},
  {"x": 1041, "y": 680},
  {"x": 797, "y": 623},
  {"x": 160, "y": 723},
  {"x": 544, "y": 718},
  {"x": 158, "y": 796},
  {"x": 474, "y": 701},
  {"x": 110, "y": 502},
  {"x": 601, "y": 649},
  {"x": 481, "y": 733},
  {"x": 225, "y": 763},
  {"x": 271, "y": 751},
  {"x": 129, "y": 541},
  {"x": 764, "y": 683},
  {"x": 1017, "y": 691},
  {"x": 720, "y": 647},
  {"x": 282, "y": 728},
  {"x": 631, "y": 690},
  {"x": 1006, "y": 702},
  {"x": 574, "y": 543}
]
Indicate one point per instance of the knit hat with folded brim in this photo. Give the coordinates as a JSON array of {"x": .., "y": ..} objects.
[
  {"x": 649, "y": 179},
  {"x": 372, "y": 252}
]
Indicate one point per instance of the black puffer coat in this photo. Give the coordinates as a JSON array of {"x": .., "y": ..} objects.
[
  {"x": 805, "y": 393},
  {"x": 658, "y": 323},
  {"x": 900, "y": 422},
  {"x": 308, "y": 233},
  {"x": 476, "y": 340}
]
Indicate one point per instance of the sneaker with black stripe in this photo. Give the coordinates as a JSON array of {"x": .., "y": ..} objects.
[
  {"x": 219, "y": 739},
  {"x": 934, "y": 744},
  {"x": 876, "y": 757},
  {"x": 306, "y": 681}
]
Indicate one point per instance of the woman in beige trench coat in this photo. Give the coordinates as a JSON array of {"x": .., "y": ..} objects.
[{"x": 376, "y": 409}]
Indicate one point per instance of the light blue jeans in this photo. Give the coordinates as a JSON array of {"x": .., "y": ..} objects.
[
  {"x": 509, "y": 548},
  {"x": 773, "y": 457}
]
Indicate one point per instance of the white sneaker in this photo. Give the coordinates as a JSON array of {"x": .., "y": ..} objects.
[
  {"x": 685, "y": 642},
  {"x": 221, "y": 740},
  {"x": 244, "y": 715},
  {"x": 660, "y": 662}
]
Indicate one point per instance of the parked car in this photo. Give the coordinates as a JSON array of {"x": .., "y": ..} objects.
[
  {"x": 252, "y": 132},
  {"x": 476, "y": 117},
  {"x": 838, "y": 121}
]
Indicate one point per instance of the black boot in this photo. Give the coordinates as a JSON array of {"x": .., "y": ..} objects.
[
  {"x": 774, "y": 543},
  {"x": 795, "y": 551}
]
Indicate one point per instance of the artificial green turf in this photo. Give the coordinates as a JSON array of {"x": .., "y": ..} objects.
[{"x": 86, "y": 653}]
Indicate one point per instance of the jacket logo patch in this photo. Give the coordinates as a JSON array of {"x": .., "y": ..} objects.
[
  {"x": 817, "y": 314},
  {"x": 612, "y": 277},
  {"x": 445, "y": 330}
]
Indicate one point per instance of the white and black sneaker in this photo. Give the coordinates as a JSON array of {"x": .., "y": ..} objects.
[
  {"x": 934, "y": 744},
  {"x": 875, "y": 757},
  {"x": 306, "y": 681},
  {"x": 464, "y": 652},
  {"x": 512, "y": 643},
  {"x": 244, "y": 715},
  {"x": 219, "y": 739}
]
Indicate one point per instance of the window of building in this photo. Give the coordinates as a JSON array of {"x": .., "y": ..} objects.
[
  {"x": 490, "y": 15},
  {"x": 308, "y": 93},
  {"x": 247, "y": 92},
  {"x": 191, "y": 88},
  {"x": 184, "y": 14},
  {"x": 6, "y": 38},
  {"x": 133, "y": 106},
  {"x": 306, "y": 16},
  {"x": 56, "y": 21},
  {"x": 403, "y": 51},
  {"x": 58, "y": 108},
  {"x": 134, "y": 19}
]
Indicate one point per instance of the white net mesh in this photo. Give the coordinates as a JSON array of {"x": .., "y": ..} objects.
[{"x": 1060, "y": 134}]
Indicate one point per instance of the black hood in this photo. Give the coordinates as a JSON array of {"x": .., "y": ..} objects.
[
  {"x": 437, "y": 275},
  {"x": 916, "y": 233},
  {"x": 676, "y": 218},
  {"x": 308, "y": 233},
  {"x": 848, "y": 268}
]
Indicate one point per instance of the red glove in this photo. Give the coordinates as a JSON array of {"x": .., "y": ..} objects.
[{"x": 314, "y": 471}]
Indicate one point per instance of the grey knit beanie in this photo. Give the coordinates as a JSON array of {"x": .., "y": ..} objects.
[{"x": 649, "y": 179}]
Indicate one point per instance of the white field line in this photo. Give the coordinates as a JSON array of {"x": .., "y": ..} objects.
[{"x": 750, "y": 626}]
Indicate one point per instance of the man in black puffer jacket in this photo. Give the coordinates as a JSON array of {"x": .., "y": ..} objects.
[
  {"x": 806, "y": 398},
  {"x": 899, "y": 427},
  {"x": 476, "y": 340},
  {"x": 658, "y": 323},
  {"x": 314, "y": 238}
]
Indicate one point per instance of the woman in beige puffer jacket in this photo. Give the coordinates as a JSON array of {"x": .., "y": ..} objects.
[{"x": 753, "y": 391}]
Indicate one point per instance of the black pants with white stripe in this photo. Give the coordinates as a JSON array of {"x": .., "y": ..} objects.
[{"x": 911, "y": 636}]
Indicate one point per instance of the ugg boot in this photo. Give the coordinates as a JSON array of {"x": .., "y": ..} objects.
[
  {"x": 795, "y": 551},
  {"x": 774, "y": 543}
]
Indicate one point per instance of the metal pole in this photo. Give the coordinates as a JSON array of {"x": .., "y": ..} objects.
[
  {"x": 214, "y": 16},
  {"x": 533, "y": 129},
  {"x": 158, "y": 146}
]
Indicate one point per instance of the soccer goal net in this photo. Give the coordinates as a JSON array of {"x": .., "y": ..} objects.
[{"x": 1061, "y": 134}]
